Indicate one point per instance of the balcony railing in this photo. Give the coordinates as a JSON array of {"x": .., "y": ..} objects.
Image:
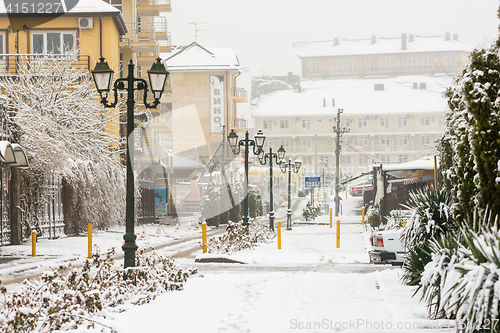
[
  {"x": 153, "y": 2},
  {"x": 18, "y": 64},
  {"x": 239, "y": 92}
]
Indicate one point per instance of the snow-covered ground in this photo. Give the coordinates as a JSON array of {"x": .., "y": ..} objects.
[{"x": 309, "y": 285}]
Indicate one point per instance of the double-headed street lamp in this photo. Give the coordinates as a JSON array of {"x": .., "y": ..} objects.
[
  {"x": 295, "y": 168},
  {"x": 103, "y": 76},
  {"x": 257, "y": 145},
  {"x": 263, "y": 160}
]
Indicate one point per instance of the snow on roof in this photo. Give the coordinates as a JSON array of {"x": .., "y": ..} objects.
[
  {"x": 357, "y": 97},
  {"x": 381, "y": 46},
  {"x": 196, "y": 57},
  {"x": 425, "y": 163},
  {"x": 83, "y": 6}
]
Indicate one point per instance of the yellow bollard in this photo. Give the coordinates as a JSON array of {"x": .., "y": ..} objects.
[
  {"x": 204, "y": 236},
  {"x": 331, "y": 218},
  {"x": 90, "y": 240},
  {"x": 279, "y": 235},
  {"x": 363, "y": 216},
  {"x": 338, "y": 234},
  {"x": 33, "y": 244}
]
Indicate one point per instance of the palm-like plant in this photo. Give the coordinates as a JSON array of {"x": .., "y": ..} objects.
[{"x": 430, "y": 218}]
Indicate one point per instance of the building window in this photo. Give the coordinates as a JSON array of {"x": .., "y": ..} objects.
[
  {"x": 373, "y": 64},
  {"x": 285, "y": 142},
  {"x": 362, "y": 160},
  {"x": 352, "y": 65},
  {"x": 412, "y": 63},
  {"x": 424, "y": 121},
  {"x": 440, "y": 121},
  {"x": 402, "y": 121},
  {"x": 306, "y": 124},
  {"x": 402, "y": 140},
  {"x": 384, "y": 122},
  {"x": 450, "y": 61},
  {"x": 362, "y": 122},
  {"x": 315, "y": 66},
  {"x": 425, "y": 139},
  {"x": 306, "y": 142},
  {"x": 284, "y": 124},
  {"x": 385, "y": 140},
  {"x": 346, "y": 141},
  {"x": 402, "y": 158},
  {"x": 346, "y": 159},
  {"x": 53, "y": 42},
  {"x": 345, "y": 123},
  {"x": 427, "y": 62},
  {"x": 267, "y": 124},
  {"x": 363, "y": 141},
  {"x": 385, "y": 158},
  {"x": 389, "y": 63},
  {"x": 337, "y": 65}
]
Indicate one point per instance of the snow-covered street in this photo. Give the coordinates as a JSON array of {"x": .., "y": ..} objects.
[{"x": 309, "y": 285}]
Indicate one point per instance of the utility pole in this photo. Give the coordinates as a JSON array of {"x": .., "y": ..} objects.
[{"x": 339, "y": 131}]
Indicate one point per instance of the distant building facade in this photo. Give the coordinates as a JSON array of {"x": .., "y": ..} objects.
[
  {"x": 405, "y": 55},
  {"x": 391, "y": 120}
]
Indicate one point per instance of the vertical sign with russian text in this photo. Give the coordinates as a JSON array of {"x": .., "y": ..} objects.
[{"x": 216, "y": 102}]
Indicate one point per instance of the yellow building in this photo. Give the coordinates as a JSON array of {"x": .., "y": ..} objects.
[{"x": 405, "y": 55}]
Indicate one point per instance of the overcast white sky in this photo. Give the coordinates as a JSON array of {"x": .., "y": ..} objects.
[{"x": 262, "y": 32}]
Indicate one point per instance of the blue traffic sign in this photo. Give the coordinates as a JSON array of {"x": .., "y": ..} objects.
[{"x": 313, "y": 182}]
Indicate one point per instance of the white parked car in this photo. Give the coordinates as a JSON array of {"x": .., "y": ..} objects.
[{"x": 387, "y": 248}]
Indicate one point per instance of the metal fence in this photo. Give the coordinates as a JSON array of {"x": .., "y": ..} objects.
[{"x": 51, "y": 212}]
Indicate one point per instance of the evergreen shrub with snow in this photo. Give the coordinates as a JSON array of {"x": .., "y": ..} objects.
[
  {"x": 431, "y": 216},
  {"x": 310, "y": 212},
  {"x": 462, "y": 281},
  {"x": 67, "y": 298},
  {"x": 236, "y": 237}
]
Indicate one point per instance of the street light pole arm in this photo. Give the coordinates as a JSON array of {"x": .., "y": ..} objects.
[
  {"x": 143, "y": 85},
  {"x": 118, "y": 85}
]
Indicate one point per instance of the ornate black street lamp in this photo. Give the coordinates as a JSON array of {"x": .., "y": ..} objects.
[
  {"x": 103, "y": 75},
  {"x": 263, "y": 160},
  {"x": 257, "y": 144},
  {"x": 295, "y": 168}
]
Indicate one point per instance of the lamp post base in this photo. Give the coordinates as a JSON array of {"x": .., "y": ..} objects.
[{"x": 289, "y": 219}]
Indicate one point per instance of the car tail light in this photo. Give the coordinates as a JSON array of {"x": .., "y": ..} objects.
[
  {"x": 371, "y": 241},
  {"x": 380, "y": 242}
]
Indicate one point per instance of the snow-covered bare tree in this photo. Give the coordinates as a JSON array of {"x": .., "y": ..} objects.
[{"x": 53, "y": 111}]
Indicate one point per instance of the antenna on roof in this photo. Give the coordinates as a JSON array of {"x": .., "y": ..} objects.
[{"x": 196, "y": 30}]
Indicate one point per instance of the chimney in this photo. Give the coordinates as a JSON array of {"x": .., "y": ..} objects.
[
  {"x": 455, "y": 37},
  {"x": 403, "y": 41},
  {"x": 335, "y": 41},
  {"x": 333, "y": 102},
  {"x": 374, "y": 39},
  {"x": 411, "y": 38},
  {"x": 447, "y": 36},
  {"x": 324, "y": 102}
]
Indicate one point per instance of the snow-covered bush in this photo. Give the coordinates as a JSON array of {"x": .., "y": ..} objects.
[
  {"x": 236, "y": 237},
  {"x": 396, "y": 219},
  {"x": 66, "y": 298},
  {"x": 462, "y": 281},
  {"x": 373, "y": 216},
  {"x": 310, "y": 212},
  {"x": 431, "y": 216},
  {"x": 220, "y": 202}
]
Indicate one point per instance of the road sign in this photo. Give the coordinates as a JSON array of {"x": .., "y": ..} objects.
[{"x": 313, "y": 182}]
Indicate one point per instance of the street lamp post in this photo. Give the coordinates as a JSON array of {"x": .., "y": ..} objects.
[
  {"x": 263, "y": 160},
  {"x": 103, "y": 75},
  {"x": 295, "y": 168},
  {"x": 257, "y": 145}
]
